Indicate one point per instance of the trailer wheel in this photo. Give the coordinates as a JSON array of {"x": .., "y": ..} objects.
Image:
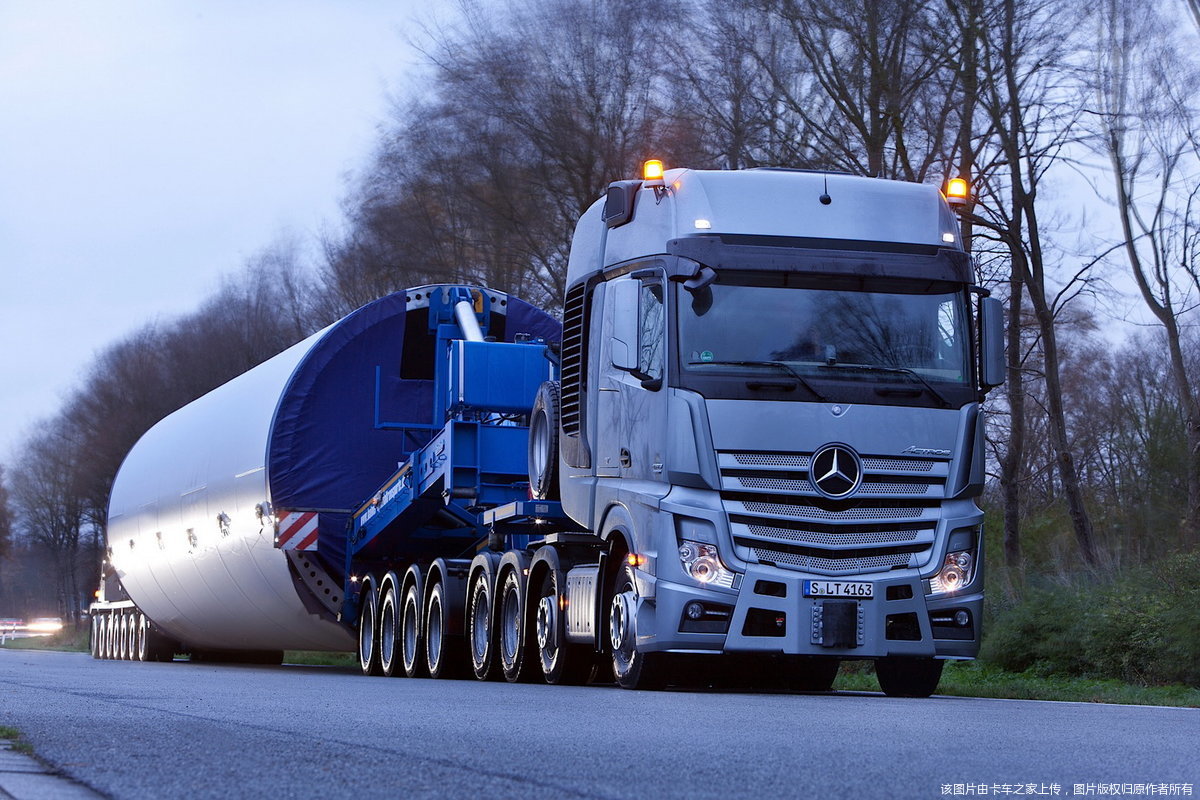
[
  {"x": 141, "y": 639},
  {"x": 561, "y": 661},
  {"x": 632, "y": 668},
  {"x": 94, "y": 636},
  {"x": 512, "y": 634},
  {"x": 368, "y": 631},
  {"x": 123, "y": 637},
  {"x": 443, "y": 656},
  {"x": 411, "y": 643},
  {"x": 908, "y": 677},
  {"x": 481, "y": 640},
  {"x": 543, "y": 442},
  {"x": 389, "y": 632}
]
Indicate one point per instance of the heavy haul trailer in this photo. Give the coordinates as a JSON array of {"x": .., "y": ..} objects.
[{"x": 763, "y": 438}]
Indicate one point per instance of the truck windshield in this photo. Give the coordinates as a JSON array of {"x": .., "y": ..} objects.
[{"x": 828, "y": 333}]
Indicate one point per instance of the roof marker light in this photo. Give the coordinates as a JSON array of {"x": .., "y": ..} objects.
[
  {"x": 948, "y": 238},
  {"x": 703, "y": 224}
]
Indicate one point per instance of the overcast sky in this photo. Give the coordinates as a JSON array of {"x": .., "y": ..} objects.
[{"x": 149, "y": 147}]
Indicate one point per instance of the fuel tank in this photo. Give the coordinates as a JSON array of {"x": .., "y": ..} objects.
[{"x": 194, "y": 510}]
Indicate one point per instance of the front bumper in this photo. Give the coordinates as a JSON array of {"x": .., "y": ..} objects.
[{"x": 771, "y": 615}]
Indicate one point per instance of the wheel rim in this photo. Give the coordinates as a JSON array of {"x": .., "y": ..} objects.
[
  {"x": 545, "y": 624},
  {"x": 410, "y": 631},
  {"x": 433, "y": 633},
  {"x": 511, "y": 622},
  {"x": 480, "y": 619},
  {"x": 141, "y": 638},
  {"x": 540, "y": 435},
  {"x": 620, "y": 631},
  {"x": 387, "y": 631},
  {"x": 366, "y": 630}
]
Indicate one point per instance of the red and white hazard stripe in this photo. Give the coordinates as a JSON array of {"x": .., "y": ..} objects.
[{"x": 297, "y": 530}]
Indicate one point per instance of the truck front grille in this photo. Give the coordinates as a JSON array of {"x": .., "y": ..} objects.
[{"x": 777, "y": 516}]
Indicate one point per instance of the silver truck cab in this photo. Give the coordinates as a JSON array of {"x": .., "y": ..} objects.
[{"x": 770, "y": 409}]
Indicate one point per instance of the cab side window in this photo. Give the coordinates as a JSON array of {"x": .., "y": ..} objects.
[{"x": 652, "y": 334}]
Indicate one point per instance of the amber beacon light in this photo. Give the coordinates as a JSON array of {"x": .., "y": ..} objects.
[{"x": 958, "y": 191}]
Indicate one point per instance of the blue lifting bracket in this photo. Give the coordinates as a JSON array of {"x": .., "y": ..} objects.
[{"x": 477, "y": 458}]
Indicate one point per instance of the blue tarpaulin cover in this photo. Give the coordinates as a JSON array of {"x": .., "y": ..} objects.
[{"x": 325, "y": 452}]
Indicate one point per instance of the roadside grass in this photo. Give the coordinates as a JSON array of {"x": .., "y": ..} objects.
[
  {"x": 318, "y": 658},
  {"x": 69, "y": 638},
  {"x": 15, "y": 742},
  {"x": 975, "y": 679}
]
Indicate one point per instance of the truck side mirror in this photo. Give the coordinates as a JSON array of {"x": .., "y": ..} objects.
[
  {"x": 624, "y": 343},
  {"x": 991, "y": 318}
]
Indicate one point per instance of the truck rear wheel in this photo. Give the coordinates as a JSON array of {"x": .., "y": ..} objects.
[
  {"x": 561, "y": 661},
  {"x": 480, "y": 638},
  {"x": 368, "y": 631},
  {"x": 632, "y": 668},
  {"x": 908, "y": 677},
  {"x": 511, "y": 636}
]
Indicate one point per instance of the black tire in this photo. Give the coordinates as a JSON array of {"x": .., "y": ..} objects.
[
  {"x": 543, "y": 442},
  {"x": 368, "y": 631},
  {"x": 510, "y": 633},
  {"x": 123, "y": 637},
  {"x": 908, "y": 677},
  {"x": 443, "y": 652},
  {"x": 481, "y": 634},
  {"x": 94, "y": 635},
  {"x": 141, "y": 639},
  {"x": 805, "y": 673},
  {"x": 561, "y": 661},
  {"x": 412, "y": 645},
  {"x": 389, "y": 633},
  {"x": 632, "y": 668}
]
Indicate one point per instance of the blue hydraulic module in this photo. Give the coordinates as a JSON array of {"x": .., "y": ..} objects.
[{"x": 483, "y": 391}]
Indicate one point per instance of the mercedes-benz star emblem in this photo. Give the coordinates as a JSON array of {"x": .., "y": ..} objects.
[{"x": 836, "y": 471}]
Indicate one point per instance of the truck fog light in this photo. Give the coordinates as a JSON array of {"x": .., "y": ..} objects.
[
  {"x": 694, "y": 610},
  {"x": 702, "y": 562},
  {"x": 961, "y": 618},
  {"x": 956, "y": 572}
]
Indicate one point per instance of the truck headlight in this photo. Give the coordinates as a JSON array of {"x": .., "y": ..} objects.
[
  {"x": 956, "y": 572},
  {"x": 703, "y": 563}
]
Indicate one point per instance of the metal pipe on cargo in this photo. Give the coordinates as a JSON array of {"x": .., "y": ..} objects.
[{"x": 465, "y": 313}]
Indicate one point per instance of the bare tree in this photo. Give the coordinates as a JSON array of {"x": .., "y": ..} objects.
[
  {"x": 1025, "y": 93},
  {"x": 1146, "y": 121},
  {"x": 50, "y": 507}
]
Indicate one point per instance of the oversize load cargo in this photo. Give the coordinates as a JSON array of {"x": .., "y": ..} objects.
[{"x": 299, "y": 432}]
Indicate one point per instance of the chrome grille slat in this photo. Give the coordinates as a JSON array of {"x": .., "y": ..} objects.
[
  {"x": 812, "y": 512},
  {"x": 780, "y": 517},
  {"x": 841, "y": 565},
  {"x": 838, "y": 538}
]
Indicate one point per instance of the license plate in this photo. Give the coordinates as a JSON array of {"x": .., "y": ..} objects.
[{"x": 861, "y": 590}]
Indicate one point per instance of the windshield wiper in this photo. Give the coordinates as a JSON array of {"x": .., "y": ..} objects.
[
  {"x": 779, "y": 364},
  {"x": 941, "y": 398}
]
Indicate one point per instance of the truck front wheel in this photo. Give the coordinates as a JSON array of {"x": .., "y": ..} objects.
[
  {"x": 908, "y": 677},
  {"x": 632, "y": 669}
]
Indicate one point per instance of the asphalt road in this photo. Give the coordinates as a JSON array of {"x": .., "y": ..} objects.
[{"x": 133, "y": 730}]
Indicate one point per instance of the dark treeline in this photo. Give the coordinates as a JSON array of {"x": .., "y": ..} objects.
[{"x": 529, "y": 109}]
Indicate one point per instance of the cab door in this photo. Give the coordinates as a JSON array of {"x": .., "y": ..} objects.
[{"x": 630, "y": 433}]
